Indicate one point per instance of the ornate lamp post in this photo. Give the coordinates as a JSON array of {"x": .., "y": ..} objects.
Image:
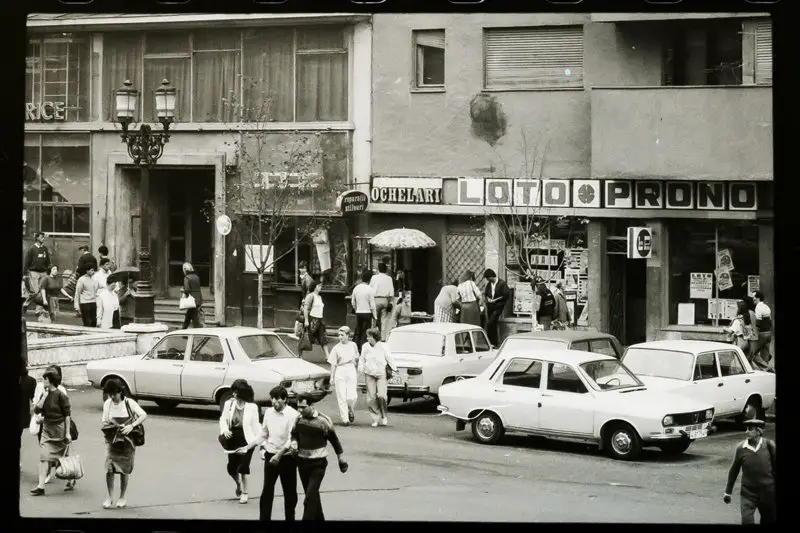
[{"x": 145, "y": 147}]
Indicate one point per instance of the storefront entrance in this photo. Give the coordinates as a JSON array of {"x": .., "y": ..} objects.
[{"x": 626, "y": 298}]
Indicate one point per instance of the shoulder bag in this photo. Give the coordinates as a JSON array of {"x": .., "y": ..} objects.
[
  {"x": 187, "y": 302},
  {"x": 69, "y": 467},
  {"x": 137, "y": 433}
]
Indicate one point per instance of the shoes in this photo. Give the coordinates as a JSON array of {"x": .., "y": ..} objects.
[
  {"x": 351, "y": 415},
  {"x": 384, "y": 421},
  {"x": 70, "y": 486},
  {"x": 238, "y": 491},
  {"x": 107, "y": 504},
  {"x": 374, "y": 424},
  {"x": 122, "y": 504},
  {"x": 243, "y": 499},
  {"x": 37, "y": 491},
  {"x": 345, "y": 423}
]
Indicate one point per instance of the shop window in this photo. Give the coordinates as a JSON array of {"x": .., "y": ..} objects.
[
  {"x": 57, "y": 71},
  {"x": 693, "y": 248},
  {"x": 293, "y": 246}
]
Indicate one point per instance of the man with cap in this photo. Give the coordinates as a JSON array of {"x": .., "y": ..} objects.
[
  {"x": 496, "y": 294},
  {"x": 755, "y": 457}
]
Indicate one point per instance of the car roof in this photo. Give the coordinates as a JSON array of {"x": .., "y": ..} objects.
[
  {"x": 571, "y": 357},
  {"x": 567, "y": 335},
  {"x": 234, "y": 331},
  {"x": 438, "y": 327},
  {"x": 676, "y": 345}
]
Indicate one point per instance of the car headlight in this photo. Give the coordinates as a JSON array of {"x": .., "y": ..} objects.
[
  {"x": 414, "y": 371},
  {"x": 709, "y": 414},
  {"x": 667, "y": 421}
]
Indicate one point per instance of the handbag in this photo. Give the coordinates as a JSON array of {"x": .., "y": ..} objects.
[
  {"x": 36, "y": 424},
  {"x": 73, "y": 430},
  {"x": 137, "y": 433},
  {"x": 389, "y": 371},
  {"x": 187, "y": 302},
  {"x": 304, "y": 343},
  {"x": 69, "y": 467}
]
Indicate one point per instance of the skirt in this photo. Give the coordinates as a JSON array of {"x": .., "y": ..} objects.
[
  {"x": 53, "y": 441},
  {"x": 443, "y": 314},
  {"x": 316, "y": 331},
  {"x": 120, "y": 456},
  {"x": 471, "y": 313},
  {"x": 239, "y": 463}
]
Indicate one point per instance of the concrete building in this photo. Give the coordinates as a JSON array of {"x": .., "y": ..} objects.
[{"x": 595, "y": 123}]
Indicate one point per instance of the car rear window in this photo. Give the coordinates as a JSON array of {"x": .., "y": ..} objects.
[{"x": 258, "y": 347}]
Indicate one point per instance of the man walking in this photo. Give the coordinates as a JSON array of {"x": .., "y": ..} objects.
[
  {"x": 37, "y": 263},
  {"x": 363, "y": 302},
  {"x": 383, "y": 286},
  {"x": 761, "y": 355},
  {"x": 755, "y": 457},
  {"x": 497, "y": 294},
  {"x": 547, "y": 304},
  {"x": 312, "y": 432}
]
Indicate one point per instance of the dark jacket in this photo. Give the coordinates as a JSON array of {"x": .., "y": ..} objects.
[
  {"x": 37, "y": 259},
  {"x": 547, "y": 306},
  {"x": 27, "y": 388},
  {"x": 561, "y": 311},
  {"x": 500, "y": 291},
  {"x": 191, "y": 285}
]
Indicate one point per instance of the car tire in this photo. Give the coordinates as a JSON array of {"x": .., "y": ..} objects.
[
  {"x": 622, "y": 442},
  {"x": 487, "y": 428},
  {"x": 753, "y": 409},
  {"x": 675, "y": 447},
  {"x": 167, "y": 404},
  {"x": 224, "y": 397}
]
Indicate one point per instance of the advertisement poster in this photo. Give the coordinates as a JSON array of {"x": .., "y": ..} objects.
[
  {"x": 724, "y": 260},
  {"x": 722, "y": 309},
  {"x": 753, "y": 284},
  {"x": 701, "y": 285},
  {"x": 523, "y": 299},
  {"x": 571, "y": 278},
  {"x": 724, "y": 281},
  {"x": 686, "y": 314}
]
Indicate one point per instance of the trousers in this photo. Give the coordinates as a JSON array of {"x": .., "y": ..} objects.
[
  {"x": 311, "y": 473},
  {"x": 346, "y": 385},
  {"x": 287, "y": 472},
  {"x": 363, "y": 323},
  {"x": 89, "y": 314},
  {"x": 761, "y": 499}
]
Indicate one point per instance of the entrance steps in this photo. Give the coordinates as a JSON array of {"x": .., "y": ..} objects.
[{"x": 167, "y": 312}]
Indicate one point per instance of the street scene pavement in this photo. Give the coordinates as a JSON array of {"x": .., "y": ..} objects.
[{"x": 417, "y": 468}]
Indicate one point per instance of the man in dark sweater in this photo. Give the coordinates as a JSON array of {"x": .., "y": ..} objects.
[
  {"x": 312, "y": 432},
  {"x": 37, "y": 263},
  {"x": 755, "y": 457}
]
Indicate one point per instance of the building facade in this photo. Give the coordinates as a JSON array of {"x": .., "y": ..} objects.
[
  {"x": 248, "y": 80},
  {"x": 487, "y": 126}
]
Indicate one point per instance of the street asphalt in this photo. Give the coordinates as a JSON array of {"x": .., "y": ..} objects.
[{"x": 417, "y": 468}]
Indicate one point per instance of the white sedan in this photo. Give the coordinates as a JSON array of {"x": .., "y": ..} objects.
[
  {"x": 429, "y": 355},
  {"x": 712, "y": 372},
  {"x": 573, "y": 395},
  {"x": 198, "y": 366}
]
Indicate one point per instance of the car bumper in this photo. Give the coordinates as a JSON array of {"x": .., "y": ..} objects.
[
  {"x": 694, "y": 432},
  {"x": 403, "y": 391}
]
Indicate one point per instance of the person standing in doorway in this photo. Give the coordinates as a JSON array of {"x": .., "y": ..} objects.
[
  {"x": 86, "y": 298},
  {"x": 305, "y": 281},
  {"x": 343, "y": 360},
  {"x": 496, "y": 295},
  {"x": 761, "y": 355},
  {"x": 469, "y": 295},
  {"x": 755, "y": 457},
  {"x": 363, "y": 301},
  {"x": 547, "y": 304},
  {"x": 383, "y": 286},
  {"x": 312, "y": 432},
  {"x": 375, "y": 357},
  {"x": 37, "y": 263},
  {"x": 191, "y": 286}
]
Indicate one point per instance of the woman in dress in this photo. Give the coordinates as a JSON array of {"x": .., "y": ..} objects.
[
  {"x": 313, "y": 308},
  {"x": 120, "y": 416},
  {"x": 375, "y": 356},
  {"x": 343, "y": 359},
  {"x": 38, "y": 394},
  {"x": 191, "y": 286},
  {"x": 50, "y": 288},
  {"x": 471, "y": 298},
  {"x": 446, "y": 303},
  {"x": 55, "y": 438},
  {"x": 239, "y": 423}
]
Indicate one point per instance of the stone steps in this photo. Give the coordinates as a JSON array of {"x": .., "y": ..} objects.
[{"x": 167, "y": 312}]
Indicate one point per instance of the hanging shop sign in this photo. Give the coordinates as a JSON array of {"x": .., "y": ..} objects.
[
  {"x": 611, "y": 194},
  {"x": 45, "y": 111},
  {"x": 424, "y": 191},
  {"x": 640, "y": 243},
  {"x": 352, "y": 202}
]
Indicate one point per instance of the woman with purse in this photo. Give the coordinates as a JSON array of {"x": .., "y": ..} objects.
[
  {"x": 471, "y": 299},
  {"x": 240, "y": 427},
  {"x": 191, "y": 287},
  {"x": 55, "y": 436},
  {"x": 377, "y": 364},
  {"x": 123, "y": 431},
  {"x": 313, "y": 308}
]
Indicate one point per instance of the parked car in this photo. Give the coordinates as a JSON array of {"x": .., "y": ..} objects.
[
  {"x": 197, "y": 366},
  {"x": 429, "y": 355},
  {"x": 713, "y": 372},
  {"x": 576, "y": 396}
]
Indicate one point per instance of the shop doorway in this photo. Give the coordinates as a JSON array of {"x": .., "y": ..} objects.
[
  {"x": 189, "y": 227},
  {"x": 627, "y": 298}
]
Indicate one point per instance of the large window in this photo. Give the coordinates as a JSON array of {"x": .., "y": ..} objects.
[
  {"x": 293, "y": 247},
  {"x": 703, "y": 53},
  {"x": 257, "y": 74},
  {"x": 57, "y": 74},
  {"x": 533, "y": 58},
  {"x": 694, "y": 248}
]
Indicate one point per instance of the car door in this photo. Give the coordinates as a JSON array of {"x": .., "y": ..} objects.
[
  {"x": 567, "y": 407},
  {"x": 517, "y": 393},
  {"x": 205, "y": 369},
  {"x": 159, "y": 374},
  {"x": 603, "y": 346},
  {"x": 737, "y": 383},
  {"x": 707, "y": 384},
  {"x": 483, "y": 353},
  {"x": 465, "y": 352}
]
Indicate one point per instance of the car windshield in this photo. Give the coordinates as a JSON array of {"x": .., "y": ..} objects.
[
  {"x": 609, "y": 375},
  {"x": 259, "y": 347},
  {"x": 668, "y": 364},
  {"x": 526, "y": 347},
  {"x": 417, "y": 342}
]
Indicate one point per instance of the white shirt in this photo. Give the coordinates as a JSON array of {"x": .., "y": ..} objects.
[
  {"x": 468, "y": 291},
  {"x": 363, "y": 299},
  {"x": 100, "y": 277},
  {"x": 119, "y": 410},
  {"x": 107, "y": 302},
  {"x": 492, "y": 286},
  {"x": 250, "y": 424},
  {"x": 382, "y": 285},
  {"x": 762, "y": 311},
  {"x": 277, "y": 428},
  {"x": 374, "y": 359},
  {"x": 342, "y": 354},
  {"x": 317, "y": 307},
  {"x": 752, "y": 448}
]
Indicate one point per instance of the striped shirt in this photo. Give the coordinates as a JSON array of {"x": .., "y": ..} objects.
[{"x": 313, "y": 435}]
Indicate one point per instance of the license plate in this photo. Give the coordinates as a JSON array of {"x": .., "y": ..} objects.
[
  {"x": 695, "y": 427},
  {"x": 396, "y": 380},
  {"x": 301, "y": 387},
  {"x": 698, "y": 434}
]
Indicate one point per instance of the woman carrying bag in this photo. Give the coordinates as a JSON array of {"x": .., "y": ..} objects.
[
  {"x": 239, "y": 428},
  {"x": 55, "y": 435},
  {"x": 191, "y": 298},
  {"x": 740, "y": 329}
]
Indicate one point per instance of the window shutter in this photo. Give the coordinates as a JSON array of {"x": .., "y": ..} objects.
[
  {"x": 432, "y": 38},
  {"x": 534, "y": 57},
  {"x": 764, "y": 52}
]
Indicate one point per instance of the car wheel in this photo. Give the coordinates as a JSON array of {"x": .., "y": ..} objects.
[
  {"x": 167, "y": 404},
  {"x": 487, "y": 428},
  {"x": 676, "y": 447},
  {"x": 753, "y": 409},
  {"x": 224, "y": 397},
  {"x": 623, "y": 443}
]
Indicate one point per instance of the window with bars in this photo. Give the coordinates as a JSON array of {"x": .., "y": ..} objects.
[
  {"x": 429, "y": 59},
  {"x": 763, "y": 53},
  {"x": 533, "y": 57},
  {"x": 57, "y": 71}
]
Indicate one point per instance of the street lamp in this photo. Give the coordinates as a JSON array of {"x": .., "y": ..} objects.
[{"x": 145, "y": 147}]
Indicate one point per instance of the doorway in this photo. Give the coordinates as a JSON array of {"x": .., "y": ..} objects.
[
  {"x": 627, "y": 298},
  {"x": 190, "y": 227}
]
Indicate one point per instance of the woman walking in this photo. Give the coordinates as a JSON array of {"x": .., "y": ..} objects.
[
  {"x": 55, "y": 437},
  {"x": 191, "y": 286},
  {"x": 740, "y": 329},
  {"x": 343, "y": 359},
  {"x": 313, "y": 308},
  {"x": 120, "y": 416},
  {"x": 239, "y": 424},
  {"x": 38, "y": 394},
  {"x": 446, "y": 303},
  {"x": 470, "y": 297},
  {"x": 375, "y": 357},
  {"x": 50, "y": 289}
]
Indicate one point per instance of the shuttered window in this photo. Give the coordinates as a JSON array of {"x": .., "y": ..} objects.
[
  {"x": 429, "y": 58},
  {"x": 532, "y": 58},
  {"x": 764, "y": 52}
]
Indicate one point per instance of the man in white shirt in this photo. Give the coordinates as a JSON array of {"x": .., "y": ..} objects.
[
  {"x": 363, "y": 302},
  {"x": 383, "y": 286},
  {"x": 278, "y": 455},
  {"x": 103, "y": 270},
  {"x": 761, "y": 355}
]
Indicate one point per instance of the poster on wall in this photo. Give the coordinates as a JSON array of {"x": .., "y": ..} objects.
[
  {"x": 583, "y": 319},
  {"x": 255, "y": 255},
  {"x": 722, "y": 308},
  {"x": 571, "y": 278},
  {"x": 701, "y": 285},
  {"x": 753, "y": 284},
  {"x": 686, "y": 314},
  {"x": 724, "y": 260},
  {"x": 523, "y": 299},
  {"x": 724, "y": 281}
]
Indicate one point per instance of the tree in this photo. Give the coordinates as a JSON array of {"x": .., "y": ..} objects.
[{"x": 272, "y": 192}]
